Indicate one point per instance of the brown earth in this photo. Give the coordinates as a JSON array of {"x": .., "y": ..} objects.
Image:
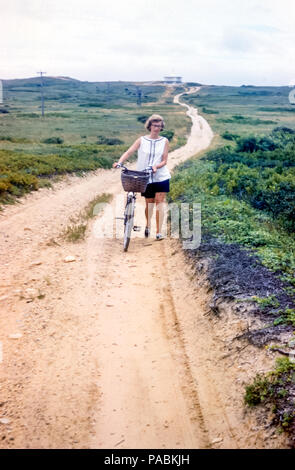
[{"x": 115, "y": 350}]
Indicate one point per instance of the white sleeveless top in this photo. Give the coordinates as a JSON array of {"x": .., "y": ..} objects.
[{"x": 150, "y": 153}]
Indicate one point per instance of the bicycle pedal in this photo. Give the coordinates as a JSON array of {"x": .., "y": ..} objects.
[{"x": 136, "y": 228}]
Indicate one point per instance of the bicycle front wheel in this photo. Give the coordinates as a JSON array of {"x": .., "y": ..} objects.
[{"x": 128, "y": 223}]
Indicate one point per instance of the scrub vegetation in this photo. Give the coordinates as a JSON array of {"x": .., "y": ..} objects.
[
  {"x": 276, "y": 390},
  {"x": 87, "y": 125},
  {"x": 244, "y": 110},
  {"x": 246, "y": 187}
]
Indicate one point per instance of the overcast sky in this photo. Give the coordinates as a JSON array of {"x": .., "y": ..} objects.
[{"x": 230, "y": 42}]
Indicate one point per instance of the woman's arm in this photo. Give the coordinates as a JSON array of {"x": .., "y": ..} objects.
[
  {"x": 128, "y": 153},
  {"x": 164, "y": 158}
]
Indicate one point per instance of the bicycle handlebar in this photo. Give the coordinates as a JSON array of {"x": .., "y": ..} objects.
[
  {"x": 148, "y": 168},
  {"x": 120, "y": 165}
]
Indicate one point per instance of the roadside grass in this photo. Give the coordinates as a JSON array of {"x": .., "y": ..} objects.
[
  {"x": 276, "y": 388},
  {"x": 234, "y": 221},
  {"x": 250, "y": 244},
  {"x": 23, "y": 172},
  {"x": 76, "y": 230}
]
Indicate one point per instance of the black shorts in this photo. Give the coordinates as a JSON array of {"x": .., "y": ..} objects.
[{"x": 153, "y": 188}]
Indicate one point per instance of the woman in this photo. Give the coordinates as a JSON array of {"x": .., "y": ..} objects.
[{"x": 152, "y": 151}]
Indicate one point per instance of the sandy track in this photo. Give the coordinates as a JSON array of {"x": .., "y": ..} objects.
[{"x": 114, "y": 347}]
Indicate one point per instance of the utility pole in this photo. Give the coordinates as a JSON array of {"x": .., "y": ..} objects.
[
  {"x": 1, "y": 92},
  {"x": 42, "y": 93},
  {"x": 139, "y": 94},
  {"x": 108, "y": 91}
]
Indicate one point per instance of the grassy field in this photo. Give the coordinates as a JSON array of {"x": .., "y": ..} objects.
[
  {"x": 80, "y": 112},
  {"x": 86, "y": 126},
  {"x": 244, "y": 110}
]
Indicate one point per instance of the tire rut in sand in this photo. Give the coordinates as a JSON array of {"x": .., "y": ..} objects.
[
  {"x": 173, "y": 332},
  {"x": 147, "y": 395}
]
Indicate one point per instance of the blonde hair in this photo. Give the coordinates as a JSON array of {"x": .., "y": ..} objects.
[{"x": 154, "y": 118}]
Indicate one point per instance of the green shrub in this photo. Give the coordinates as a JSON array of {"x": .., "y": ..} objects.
[
  {"x": 258, "y": 392},
  {"x": 238, "y": 119},
  {"x": 53, "y": 140},
  {"x": 275, "y": 387},
  {"x": 209, "y": 111},
  {"x": 168, "y": 134},
  {"x": 229, "y": 136},
  {"x": 91, "y": 105},
  {"x": 286, "y": 317},
  {"x": 143, "y": 118},
  {"x": 253, "y": 144},
  {"x": 270, "y": 301},
  {"x": 108, "y": 141},
  {"x": 28, "y": 115}
]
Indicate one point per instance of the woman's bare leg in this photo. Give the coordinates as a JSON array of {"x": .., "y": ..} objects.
[
  {"x": 160, "y": 199},
  {"x": 149, "y": 206}
]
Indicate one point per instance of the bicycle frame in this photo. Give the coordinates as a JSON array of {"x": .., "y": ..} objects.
[{"x": 129, "y": 212}]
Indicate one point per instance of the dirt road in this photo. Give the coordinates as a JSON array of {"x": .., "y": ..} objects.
[{"x": 113, "y": 349}]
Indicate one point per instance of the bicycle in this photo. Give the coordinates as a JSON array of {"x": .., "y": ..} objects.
[{"x": 133, "y": 182}]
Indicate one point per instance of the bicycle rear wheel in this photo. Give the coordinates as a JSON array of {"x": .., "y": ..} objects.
[{"x": 128, "y": 222}]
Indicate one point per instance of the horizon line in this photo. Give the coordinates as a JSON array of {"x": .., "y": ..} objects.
[{"x": 65, "y": 77}]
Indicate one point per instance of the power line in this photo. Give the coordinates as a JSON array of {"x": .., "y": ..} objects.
[{"x": 42, "y": 93}]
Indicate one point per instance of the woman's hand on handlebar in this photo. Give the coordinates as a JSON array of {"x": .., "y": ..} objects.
[
  {"x": 154, "y": 169},
  {"x": 115, "y": 164}
]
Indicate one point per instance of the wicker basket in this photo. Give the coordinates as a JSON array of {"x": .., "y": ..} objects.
[{"x": 135, "y": 181}]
